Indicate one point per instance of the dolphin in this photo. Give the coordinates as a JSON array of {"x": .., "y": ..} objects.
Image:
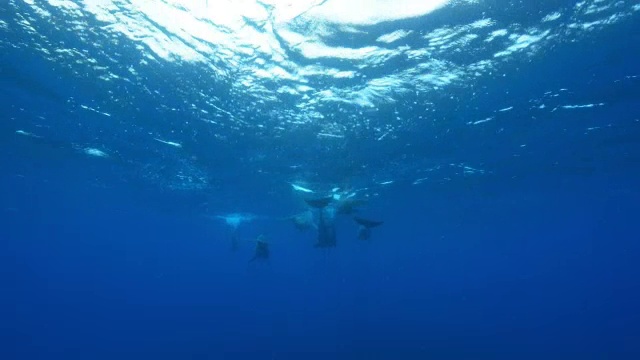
[
  {"x": 365, "y": 226},
  {"x": 320, "y": 203},
  {"x": 326, "y": 228},
  {"x": 302, "y": 221},
  {"x": 262, "y": 249},
  {"x": 349, "y": 206}
]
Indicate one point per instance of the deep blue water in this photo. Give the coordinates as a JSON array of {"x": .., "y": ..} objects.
[{"x": 511, "y": 238}]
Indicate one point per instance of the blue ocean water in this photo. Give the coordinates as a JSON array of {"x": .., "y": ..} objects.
[{"x": 147, "y": 145}]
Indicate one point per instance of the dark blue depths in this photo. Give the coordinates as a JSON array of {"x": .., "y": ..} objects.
[{"x": 545, "y": 266}]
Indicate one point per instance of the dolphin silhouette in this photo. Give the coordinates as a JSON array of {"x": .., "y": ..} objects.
[
  {"x": 262, "y": 249},
  {"x": 326, "y": 228},
  {"x": 365, "y": 226}
]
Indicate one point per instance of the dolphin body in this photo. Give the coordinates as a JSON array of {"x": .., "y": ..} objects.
[
  {"x": 302, "y": 221},
  {"x": 365, "y": 226},
  {"x": 262, "y": 249},
  {"x": 349, "y": 206},
  {"x": 326, "y": 228}
]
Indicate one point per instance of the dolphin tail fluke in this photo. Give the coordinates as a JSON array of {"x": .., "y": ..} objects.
[{"x": 367, "y": 223}]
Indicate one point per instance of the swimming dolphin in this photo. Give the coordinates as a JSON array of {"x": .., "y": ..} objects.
[
  {"x": 326, "y": 228},
  {"x": 235, "y": 219},
  {"x": 262, "y": 249},
  {"x": 320, "y": 203},
  {"x": 365, "y": 226},
  {"x": 302, "y": 221},
  {"x": 349, "y": 206}
]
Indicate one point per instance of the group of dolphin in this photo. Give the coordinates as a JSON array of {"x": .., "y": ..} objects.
[{"x": 325, "y": 225}]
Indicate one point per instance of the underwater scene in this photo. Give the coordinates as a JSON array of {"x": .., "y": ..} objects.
[{"x": 319, "y": 179}]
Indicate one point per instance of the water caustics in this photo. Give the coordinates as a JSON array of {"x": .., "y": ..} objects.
[{"x": 292, "y": 91}]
